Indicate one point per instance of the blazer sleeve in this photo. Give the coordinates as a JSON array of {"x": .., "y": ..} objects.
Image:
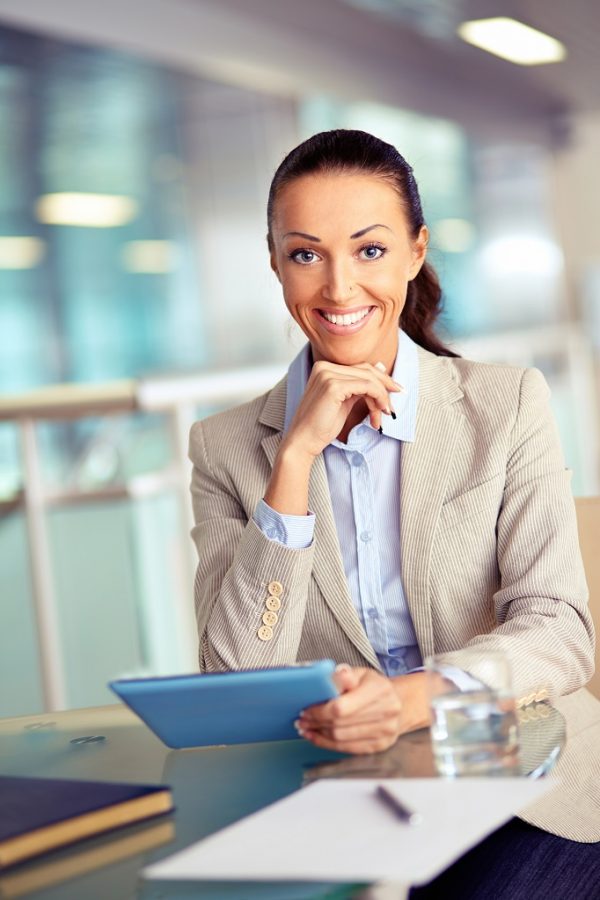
[
  {"x": 544, "y": 624},
  {"x": 238, "y": 568}
]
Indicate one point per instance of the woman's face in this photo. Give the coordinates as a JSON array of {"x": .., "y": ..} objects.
[{"x": 344, "y": 257}]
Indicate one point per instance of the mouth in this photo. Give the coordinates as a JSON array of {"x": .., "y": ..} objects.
[{"x": 345, "y": 323}]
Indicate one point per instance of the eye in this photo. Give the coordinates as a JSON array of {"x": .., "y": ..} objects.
[
  {"x": 373, "y": 251},
  {"x": 304, "y": 257}
]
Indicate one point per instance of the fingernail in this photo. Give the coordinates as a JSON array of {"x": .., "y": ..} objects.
[
  {"x": 298, "y": 727},
  {"x": 380, "y": 366},
  {"x": 342, "y": 667},
  {"x": 380, "y": 429},
  {"x": 399, "y": 386},
  {"x": 393, "y": 414}
]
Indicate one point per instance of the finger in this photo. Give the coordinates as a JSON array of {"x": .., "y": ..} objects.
[
  {"x": 359, "y": 370},
  {"x": 357, "y": 705},
  {"x": 319, "y": 713},
  {"x": 375, "y": 414},
  {"x": 346, "y": 678},
  {"x": 374, "y": 691},
  {"x": 375, "y": 410},
  {"x": 386, "y": 722},
  {"x": 359, "y": 381},
  {"x": 381, "y": 368},
  {"x": 371, "y": 706},
  {"x": 391, "y": 386},
  {"x": 326, "y": 721},
  {"x": 375, "y": 418},
  {"x": 344, "y": 391},
  {"x": 370, "y": 716},
  {"x": 373, "y": 392},
  {"x": 359, "y": 747},
  {"x": 380, "y": 371}
]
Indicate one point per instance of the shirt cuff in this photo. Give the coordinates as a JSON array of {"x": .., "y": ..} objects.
[
  {"x": 461, "y": 679},
  {"x": 295, "y": 532}
]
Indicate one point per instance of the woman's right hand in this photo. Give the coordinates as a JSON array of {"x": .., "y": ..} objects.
[{"x": 331, "y": 393}]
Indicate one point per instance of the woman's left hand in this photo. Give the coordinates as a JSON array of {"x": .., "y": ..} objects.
[{"x": 370, "y": 714}]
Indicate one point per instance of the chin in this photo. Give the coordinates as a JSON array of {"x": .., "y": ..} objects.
[{"x": 346, "y": 357}]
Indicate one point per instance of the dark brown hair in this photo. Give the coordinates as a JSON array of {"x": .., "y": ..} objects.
[{"x": 356, "y": 151}]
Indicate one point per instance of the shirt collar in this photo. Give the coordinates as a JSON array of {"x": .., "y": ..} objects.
[{"x": 405, "y": 372}]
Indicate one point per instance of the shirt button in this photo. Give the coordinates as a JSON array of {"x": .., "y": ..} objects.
[
  {"x": 357, "y": 459},
  {"x": 366, "y": 536},
  {"x": 270, "y": 618},
  {"x": 273, "y": 603},
  {"x": 265, "y": 633},
  {"x": 394, "y": 664},
  {"x": 373, "y": 614},
  {"x": 275, "y": 588}
]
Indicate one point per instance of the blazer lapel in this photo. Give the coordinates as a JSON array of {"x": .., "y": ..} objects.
[
  {"x": 328, "y": 569},
  {"x": 425, "y": 469}
]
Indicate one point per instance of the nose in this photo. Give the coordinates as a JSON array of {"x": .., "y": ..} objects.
[{"x": 338, "y": 286}]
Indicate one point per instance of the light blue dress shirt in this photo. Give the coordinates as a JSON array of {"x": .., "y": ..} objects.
[{"x": 364, "y": 480}]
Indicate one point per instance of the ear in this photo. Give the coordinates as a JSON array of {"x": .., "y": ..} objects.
[
  {"x": 419, "y": 251},
  {"x": 274, "y": 266}
]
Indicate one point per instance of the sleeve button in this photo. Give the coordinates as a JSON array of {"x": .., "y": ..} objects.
[
  {"x": 273, "y": 603},
  {"x": 270, "y": 618},
  {"x": 265, "y": 633},
  {"x": 275, "y": 588}
]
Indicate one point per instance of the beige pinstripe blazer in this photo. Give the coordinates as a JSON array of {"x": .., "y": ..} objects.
[{"x": 489, "y": 552}]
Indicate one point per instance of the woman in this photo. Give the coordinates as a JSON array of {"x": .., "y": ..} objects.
[{"x": 387, "y": 499}]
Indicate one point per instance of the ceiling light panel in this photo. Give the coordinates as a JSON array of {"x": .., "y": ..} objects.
[
  {"x": 150, "y": 257},
  {"x": 21, "y": 252},
  {"x": 86, "y": 210},
  {"x": 512, "y": 40}
]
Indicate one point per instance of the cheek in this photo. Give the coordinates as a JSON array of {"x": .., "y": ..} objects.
[
  {"x": 298, "y": 287},
  {"x": 391, "y": 275},
  {"x": 294, "y": 302},
  {"x": 390, "y": 284}
]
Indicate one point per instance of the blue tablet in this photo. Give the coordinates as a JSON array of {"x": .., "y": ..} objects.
[{"x": 228, "y": 707}]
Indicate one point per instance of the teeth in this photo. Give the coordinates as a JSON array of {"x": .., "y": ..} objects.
[{"x": 349, "y": 319}]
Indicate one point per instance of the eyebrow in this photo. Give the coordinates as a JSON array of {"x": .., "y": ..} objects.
[
  {"x": 360, "y": 233},
  {"x": 312, "y": 237}
]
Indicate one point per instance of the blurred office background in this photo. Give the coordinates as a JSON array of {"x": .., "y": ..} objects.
[{"x": 137, "y": 142}]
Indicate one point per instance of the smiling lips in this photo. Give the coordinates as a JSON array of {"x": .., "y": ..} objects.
[{"x": 345, "y": 323}]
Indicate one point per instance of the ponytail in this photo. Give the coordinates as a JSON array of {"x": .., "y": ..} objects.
[{"x": 421, "y": 310}]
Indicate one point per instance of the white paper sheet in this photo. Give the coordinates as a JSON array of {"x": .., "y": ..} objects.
[{"x": 337, "y": 830}]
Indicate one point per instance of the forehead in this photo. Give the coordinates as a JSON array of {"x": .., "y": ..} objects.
[{"x": 351, "y": 200}]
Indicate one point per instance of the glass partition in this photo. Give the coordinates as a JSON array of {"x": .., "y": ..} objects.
[{"x": 132, "y": 246}]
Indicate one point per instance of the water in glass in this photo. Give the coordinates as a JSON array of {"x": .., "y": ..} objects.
[{"x": 474, "y": 733}]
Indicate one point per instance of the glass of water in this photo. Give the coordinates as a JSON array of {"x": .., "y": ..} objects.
[{"x": 474, "y": 727}]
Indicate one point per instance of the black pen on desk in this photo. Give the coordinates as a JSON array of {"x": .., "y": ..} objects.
[{"x": 400, "y": 810}]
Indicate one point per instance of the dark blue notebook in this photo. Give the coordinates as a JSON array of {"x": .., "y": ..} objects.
[{"x": 40, "y": 814}]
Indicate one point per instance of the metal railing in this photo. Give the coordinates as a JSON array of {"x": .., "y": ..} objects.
[{"x": 178, "y": 399}]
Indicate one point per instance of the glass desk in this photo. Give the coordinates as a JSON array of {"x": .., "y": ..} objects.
[{"x": 212, "y": 787}]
